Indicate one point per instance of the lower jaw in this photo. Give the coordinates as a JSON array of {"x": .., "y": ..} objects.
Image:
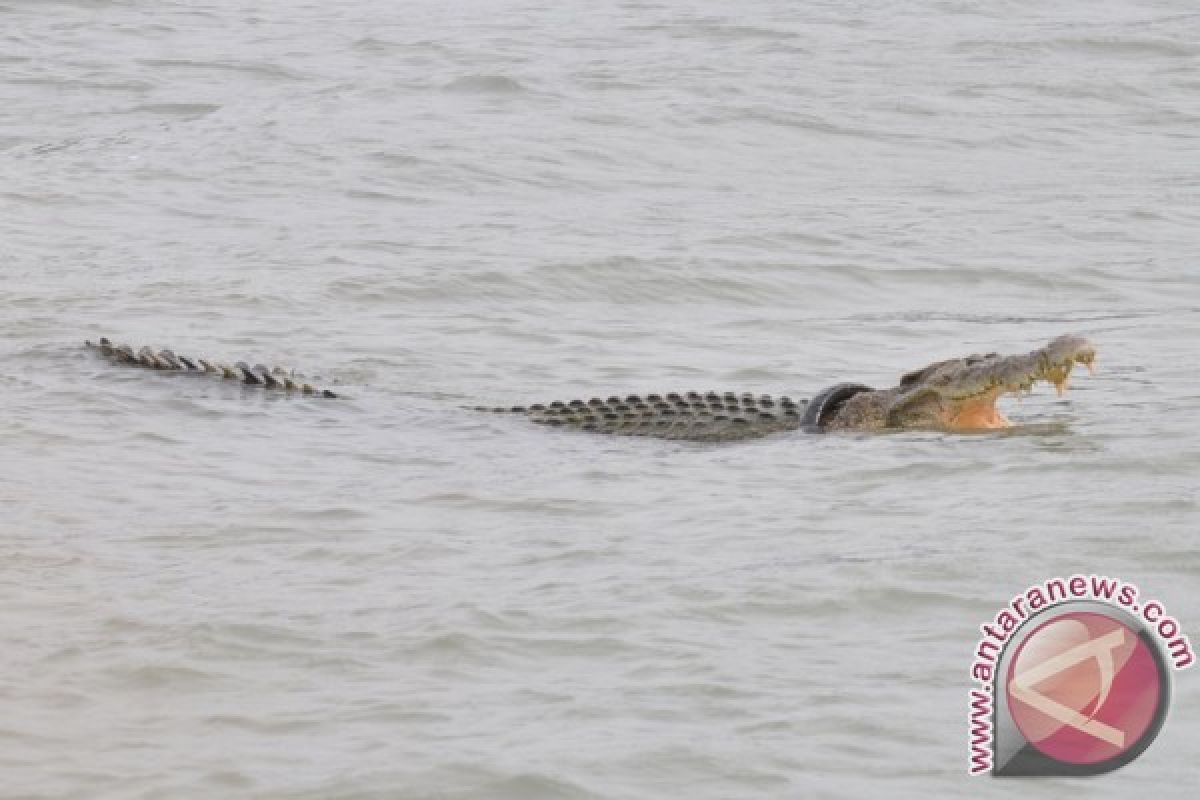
[{"x": 978, "y": 417}]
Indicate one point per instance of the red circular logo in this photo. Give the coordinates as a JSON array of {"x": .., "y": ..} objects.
[{"x": 1084, "y": 688}]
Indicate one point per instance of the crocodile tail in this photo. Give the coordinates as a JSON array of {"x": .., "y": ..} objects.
[{"x": 258, "y": 375}]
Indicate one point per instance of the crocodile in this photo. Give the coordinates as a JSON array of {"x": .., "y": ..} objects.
[{"x": 958, "y": 394}]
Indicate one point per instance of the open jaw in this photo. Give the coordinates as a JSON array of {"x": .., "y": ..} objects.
[{"x": 961, "y": 394}]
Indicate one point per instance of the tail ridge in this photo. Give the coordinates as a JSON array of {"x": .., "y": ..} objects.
[{"x": 258, "y": 375}]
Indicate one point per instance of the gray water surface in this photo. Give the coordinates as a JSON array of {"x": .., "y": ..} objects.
[{"x": 210, "y": 591}]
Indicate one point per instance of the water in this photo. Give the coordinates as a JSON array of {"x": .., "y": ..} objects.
[{"x": 211, "y": 591}]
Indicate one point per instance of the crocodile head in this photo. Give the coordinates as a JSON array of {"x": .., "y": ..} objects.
[{"x": 960, "y": 394}]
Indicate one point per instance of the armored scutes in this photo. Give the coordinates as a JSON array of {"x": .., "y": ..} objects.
[
  {"x": 957, "y": 395},
  {"x": 258, "y": 375},
  {"x": 692, "y": 416}
]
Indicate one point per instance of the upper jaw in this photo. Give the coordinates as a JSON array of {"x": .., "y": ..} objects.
[
  {"x": 973, "y": 384},
  {"x": 1057, "y": 358},
  {"x": 996, "y": 375}
]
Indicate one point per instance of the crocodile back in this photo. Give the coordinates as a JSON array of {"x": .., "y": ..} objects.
[{"x": 687, "y": 416}]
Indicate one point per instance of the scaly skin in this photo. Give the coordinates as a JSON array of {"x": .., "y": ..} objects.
[
  {"x": 691, "y": 416},
  {"x": 257, "y": 375},
  {"x": 956, "y": 395}
]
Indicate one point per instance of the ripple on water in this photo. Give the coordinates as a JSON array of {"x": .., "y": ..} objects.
[{"x": 485, "y": 84}]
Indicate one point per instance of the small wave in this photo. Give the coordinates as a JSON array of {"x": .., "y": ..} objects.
[
  {"x": 250, "y": 69},
  {"x": 549, "y": 506},
  {"x": 166, "y": 676},
  {"x": 721, "y": 31},
  {"x": 1133, "y": 48},
  {"x": 531, "y": 787},
  {"x": 193, "y": 110},
  {"x": 485, "y": 84},
  {"x": 395, "y": 159},
  {"x": 59, "y": 84},
  {"x": 371, "y": 44},
  {"x": 386, "y": 197},
  {"x": 269, "y": 727},
  {"x": 1090, "y": 45}
]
